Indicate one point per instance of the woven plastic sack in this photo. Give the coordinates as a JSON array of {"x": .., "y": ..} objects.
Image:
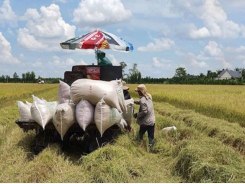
[
  {"x": 118, "y": 85},
  {"x": 63, "y": 92},
  {"x": 64, "y": 118},
  {"x": 84, "y": 113},
  {"x": 123, "y": 123},
  {"x": 93, "y": 91},
  {"x": 128, "y": 112},
  {"x": 40, "y": 112},
  {"x": 105, "y": 116},
  {"x": 25, "y": 111}
]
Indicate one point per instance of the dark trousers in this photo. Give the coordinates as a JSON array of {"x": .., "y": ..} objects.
[{"x": 150, "y": 130}]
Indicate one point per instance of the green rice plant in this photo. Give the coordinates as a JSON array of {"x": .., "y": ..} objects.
[{"x": 204, "y": 160}]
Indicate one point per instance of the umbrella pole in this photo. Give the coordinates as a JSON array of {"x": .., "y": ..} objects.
[{"x": 96, "y": 53}]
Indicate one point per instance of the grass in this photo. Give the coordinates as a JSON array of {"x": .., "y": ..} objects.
[{"x": 202, "y": 149}]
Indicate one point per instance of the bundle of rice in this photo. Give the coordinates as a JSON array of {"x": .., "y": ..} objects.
[
  {"x": 40, "y": 111},
  {"x": 93, "y": 91},
  {"x": 63, "y": 92},
  {"x": 105, "y": 116},
  {"x": 64, "y": 118},
  {"x": 25, "y": 111},
  {"x": 84, "y": 113},
  {"x": 128, "y": 112}
]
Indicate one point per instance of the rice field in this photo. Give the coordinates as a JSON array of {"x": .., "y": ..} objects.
[{"x": 208, "y": 145}]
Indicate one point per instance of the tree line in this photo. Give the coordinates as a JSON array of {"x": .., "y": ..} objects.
[
  {"x": 28, "y": 77},
  {"x": 182, "y": 77},
  {"x": 134, "y": 77}
]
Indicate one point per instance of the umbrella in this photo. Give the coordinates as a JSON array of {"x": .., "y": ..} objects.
[{"x": 98, "y": 40}]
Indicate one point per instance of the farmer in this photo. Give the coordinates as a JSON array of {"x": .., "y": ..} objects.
[
  {"x": 125, "y": 91},
  {"x": 145, "y": 116}
]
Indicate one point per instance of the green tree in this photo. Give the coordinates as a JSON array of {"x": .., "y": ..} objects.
[
  {"x": 134, "y": 74},
  {"x": 180, "y": 72},
  {"x": 123, "y": 65}
]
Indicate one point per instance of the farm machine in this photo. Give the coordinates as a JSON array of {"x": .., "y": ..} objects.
[{"x": 91, "y": 138}]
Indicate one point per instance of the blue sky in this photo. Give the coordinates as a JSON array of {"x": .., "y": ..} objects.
[{"x": 198, "y": 35}]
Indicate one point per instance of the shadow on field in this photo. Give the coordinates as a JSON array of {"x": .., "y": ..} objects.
[{"x": 73, "y": 145}]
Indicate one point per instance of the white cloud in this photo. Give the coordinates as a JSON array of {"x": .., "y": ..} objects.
[
  {"x": 158, "y": 63},
  {"x": 5, "y": 52},
  {"x": 213, "y": 17},
  {"x": 114, "y": 61},
  {"x": 44, "y": 29},
  {"x": 212, "y": 49},
  {"x": 193, "y": 61},
  {"x": 95, "y": 13},
  {"x": 29, "y": 41},
  {"x": 158, "y": 45},
  {"x": 36, "y": 64},
  {"x": 7, "y": 15}
]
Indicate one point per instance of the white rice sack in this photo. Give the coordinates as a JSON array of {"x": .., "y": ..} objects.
[
  {"x": 105, "y": 116},
  {"x": 93, "y": 91},
  {"x": 118, "y": 85},
  {"x": 64, "y": 118},
  {"x": 63, "y": 92},
  {"x": 40, "y": 112},
  {"x": 25, "y": 111},
  {"x": 128, "y": 112},
  {"x": 28, "y": 103},
  {"x": 52, "y": 106},
  {"x": 84, "y": 113}
]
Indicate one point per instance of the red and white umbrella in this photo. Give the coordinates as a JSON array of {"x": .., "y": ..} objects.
[{"x": 98, "y": 40}]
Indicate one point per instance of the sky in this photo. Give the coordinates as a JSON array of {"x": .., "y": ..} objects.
[{"x": 199, "y": 35}]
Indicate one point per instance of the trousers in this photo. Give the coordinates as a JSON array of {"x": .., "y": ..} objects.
[{"x": 150, "y": 131}]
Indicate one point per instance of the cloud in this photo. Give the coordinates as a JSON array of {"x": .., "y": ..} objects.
[
  {"x": 212, "y": 49},
  {"x": 157, "y": 63},
  {"x": 114, "y": 61},
  {"x": 193, "y": 61},
  {"x": 95, "y": 13},
  {"x": 7, "y": 15},
  {"x": 158, "y": 45},
  {"x": 45, "y": 29},
  {"x": 213, "y": 17},
  {"x": 5, "y": 52}
]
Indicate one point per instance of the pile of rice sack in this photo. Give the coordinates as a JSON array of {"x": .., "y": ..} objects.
[{"x": 86, "y": 101}]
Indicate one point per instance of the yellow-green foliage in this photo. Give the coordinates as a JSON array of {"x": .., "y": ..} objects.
[
  {"x": 202, "y": 149},
  {"x": 221, "y": 101}
]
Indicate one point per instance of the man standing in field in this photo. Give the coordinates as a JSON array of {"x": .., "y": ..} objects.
[{"x": 145, "y": 116}]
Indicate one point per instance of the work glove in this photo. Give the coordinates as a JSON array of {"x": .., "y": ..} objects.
[{"x": 135, "y": 115}]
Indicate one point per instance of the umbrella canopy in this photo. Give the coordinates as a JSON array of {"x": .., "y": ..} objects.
[{"x": 98, "y": 40}]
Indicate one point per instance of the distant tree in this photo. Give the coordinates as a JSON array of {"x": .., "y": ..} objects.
[
  {"x": 15, "y": 77},
  {"x": 134, "y": 74},
  {"x": 180, "y": 72},
  {"x": 123, "y": 65}
]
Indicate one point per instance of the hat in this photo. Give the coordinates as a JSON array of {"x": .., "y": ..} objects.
[
  {"x": 124, "y": 86},
  {"x": 143, "y": 90}
]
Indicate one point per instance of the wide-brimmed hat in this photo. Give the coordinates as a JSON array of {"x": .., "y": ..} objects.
[
  {"x": 124, "y": 86},
  {"x": 143, "y": 90}
]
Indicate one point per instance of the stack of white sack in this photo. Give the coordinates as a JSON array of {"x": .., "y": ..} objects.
[
  {"x": 64, "y": 118},
  {"x": 105, "y": 116},
  {"x": 42, "y": 111},
  {"x": 128, "y": 112},
  {"x": 84, "y": 113},
  {"x": 94, "y": 91},
  {"x": 24, "y": 110},
  {"x": 64, "y": 93}
]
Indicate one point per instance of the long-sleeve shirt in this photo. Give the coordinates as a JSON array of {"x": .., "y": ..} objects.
[{"x": 146, "y": 115}]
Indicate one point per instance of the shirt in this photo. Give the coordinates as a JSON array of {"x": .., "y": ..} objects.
[{"x": 146, "y": 115}]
